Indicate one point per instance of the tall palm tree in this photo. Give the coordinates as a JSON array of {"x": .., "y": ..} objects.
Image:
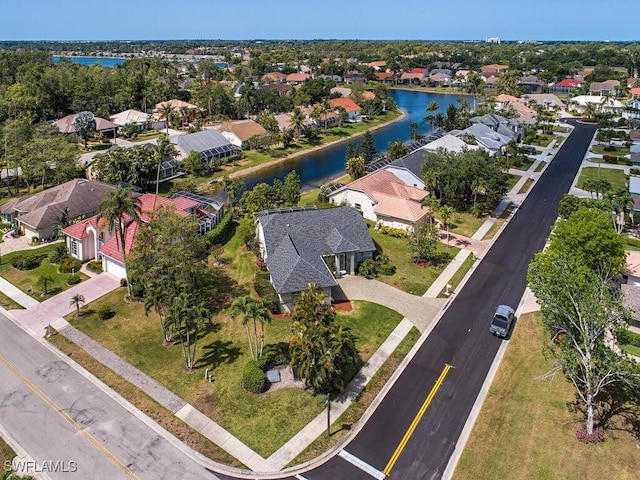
[
  {"x": 256, "y": 312},
  {"x": 446, "y": 214},
  {"x": 165, "y": 112},
  {"x": 297, "y": 121},
  {"x": 158, "y": 298},
  {"x": 119, "y": 209},
  {"x": 186, "y": 316},
  {"x": 76, "y": 300},
  {"x": 164, "y": 148}
]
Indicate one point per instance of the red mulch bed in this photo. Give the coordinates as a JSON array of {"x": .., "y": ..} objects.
[{"x": 342, "y": 306}]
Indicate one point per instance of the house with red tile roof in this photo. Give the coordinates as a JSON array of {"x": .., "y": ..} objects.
[
  {"x": 274, "y": 77},
  {"x": 440, "y": 79},
  {"x": 635, "y": 92},
  {"x": 242, "y": 133},
  {"x": 385, "y": 199},
  {"x": 93, "y": 239},
  {"x": 297, "y": 78},
  {"x": 351, "y": 107},
  {"x": 384, "y": 77}
]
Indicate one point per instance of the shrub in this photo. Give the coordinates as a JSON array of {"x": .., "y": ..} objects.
[
  {"x": 609, "y": 148},
  {"x": 274, "y": 355},
  {"x": 267, "y": 293},
  {"x": 384, "y": 265},
  {"x": 596, "y": 437},
  {"x": 58, "y": 254},
  {"x": 222, "y": 232},
  {"x": 105, "y": 312},
  {"x": 627, "y": 337},
  {"x": 368, "y": 268},
  {"x": 393, "y": 232},
  {"x": 95, "y": 267},
  {"x": 253, "y": 378},
  {"x": 28, "y": 262},
  {"x": 69, "y": 264},
  {"x": 73, "y": 279},
  {"x": 123, "y": 282},
  {"x": 137, "y": 290}
]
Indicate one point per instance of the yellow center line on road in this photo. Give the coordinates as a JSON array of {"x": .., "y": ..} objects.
[
  {"x": 416, "y": 420},
  {"x": 70, "y": 420}
]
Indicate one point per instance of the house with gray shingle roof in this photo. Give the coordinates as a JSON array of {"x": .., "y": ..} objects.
[
  {"x": 299, "y": 245},
  {"x": 37, "y": 214}
]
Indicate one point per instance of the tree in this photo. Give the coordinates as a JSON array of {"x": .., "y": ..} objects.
[
  {"x": 85, "y": 126},
  {"x": 76, "y": 300},
  {"x": 396, "y": 149},
  {"x": 323, "y": 351},
  {"x": 589, "y": 234},
  {"x": 446, "y": 214},
  {"x": 579, "y": 310},
  {"x": 119, "y": 209},
  {"x": 297, "y": 121},
  {"x": 163, "y": 149},
  {"x": 431, "y": 110},
  {"x": 253, "y": 311},
  {"x": 62, "y": 221},
  {"x": 291, "y": 189},
  {"x": 164, "y": 112},
  {"x": 424, "y": 242},
  {"x": 368, "y": 147},
  {"x": 44, "y": 281},
  {"x": 475, "y": 86},
  {"x": 355, "y": 167},
  {"x": 231, "y": 188},
  {"x": 414, "y": 131},
  {"x": 159, "y": 298},
  {"x": 185, "y": 315},
  {"x": 195, "y": 163}
]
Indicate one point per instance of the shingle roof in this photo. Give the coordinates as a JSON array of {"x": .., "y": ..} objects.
[
  {"x": 243, "y": 129},
  {"x": 295, "y": 242},
  {"x": 80, "y": 196},
  {"x": 66, "y": 124},
  {"x": 486, "y": 136},
  {"x": 412, "y": 162}
]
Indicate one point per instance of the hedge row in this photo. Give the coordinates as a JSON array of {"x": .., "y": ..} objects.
[{"x": 222, "y": 232}]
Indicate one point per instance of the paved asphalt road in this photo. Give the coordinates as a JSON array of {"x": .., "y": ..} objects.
[
  {"x": 61, "y": 418},
  {"x": 462, "y": 340}
]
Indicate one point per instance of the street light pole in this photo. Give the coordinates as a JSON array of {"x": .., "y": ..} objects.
[{"x": 327, "y": 401}]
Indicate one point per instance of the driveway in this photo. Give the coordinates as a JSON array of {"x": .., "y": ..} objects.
[
  {"x": 38, "y": 316},
  {"x": 418, "y": 310}
]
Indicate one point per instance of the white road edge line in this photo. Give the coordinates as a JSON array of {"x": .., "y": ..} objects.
[
  {"x": 299, "y": 477},
  {"x": 365, "y": 467}
]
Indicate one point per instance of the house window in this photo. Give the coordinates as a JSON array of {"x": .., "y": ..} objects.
[
  {"x": 358, "y": 206},
  {"x": 73, "y": 247}
]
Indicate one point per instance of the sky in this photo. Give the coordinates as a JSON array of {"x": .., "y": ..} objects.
[{"x": 583, "y": 20}]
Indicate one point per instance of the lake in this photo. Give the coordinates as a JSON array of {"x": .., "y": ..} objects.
[
  {"x": 104, "y": 61},
  {"x": 321, "y": 166}
]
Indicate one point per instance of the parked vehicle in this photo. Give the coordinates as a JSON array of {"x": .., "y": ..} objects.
[{"x": 502, "y": 321}]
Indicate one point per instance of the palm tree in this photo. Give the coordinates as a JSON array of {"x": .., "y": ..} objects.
[
  {"x": 44, "y": 281},
  {"x": 446, "y": 214},
  {"x": 164, "y": 148},
  {"x": 255, "y": 311},
  {"x": 185, "y": 315},
  {"x": 414, "y": 130},
  {"x": 297, "y": 121},
  {"x": 119, "y": 209},
  {"x": 62, "y": 222},
  {"x": 76, "y": 300},
  {"x": 475, "y": 86},
  {"x": 589, "y": 111},
  {"x": 158, "y": 298},
  {"x": 431, "y": 112},
  {"x": 165, "y": 112}
]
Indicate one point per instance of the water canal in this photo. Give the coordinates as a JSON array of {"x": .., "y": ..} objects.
[{"x": 321, "y": 166}]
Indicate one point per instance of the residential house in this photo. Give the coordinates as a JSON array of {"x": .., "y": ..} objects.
[
  {"x": 297, "y": 78},
  {"x": 531, "y": 84},
  {"x": 385, "y": 77},
  {"x": 503, "y": 100},
  {"x": 274, "y": 77},
  {"x": 525, "y": 115},
  {"x": 450, "y": 143},
  {"x": 353, "y": 76},
  {"x": 504, "y": 126},
  {"x": 440, "y": 79},
  {"x": 409, "y": 168},
  {"x": 351, "y": 107},
  {"x": 377, "y": 65},
  {"x": 105, "y": 128},
  {"x": 608, "y": 87},
  {"x": 384, "y": 198},
  {"x": 490, "y": 81},
  {"x": 632, "y": 108},
  {"x": 144, "y": 121},
  {"x": 302, "y": 246},
  {"x": 243, "y": 133},
  {"x": 37, "y": 215},
  {"x": 566, "y": 85},
  {"x": 547, "y": 100},
  {"x": 634, "y": 190},
  {"x": 602, "y": 102},
  {"x": 460, "y": 78},
  {"x": 635, "y": 92},
  {"x": 212, "y": 145},
  {"x": 414, "y": 76},
  {"x": 488, "y": 139},
  {"x": 187, "y": 112},
  {"x": 93, "y": 239},
  {"x": 493, "y": 70}
]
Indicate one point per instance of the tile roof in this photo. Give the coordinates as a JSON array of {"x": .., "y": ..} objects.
[
  {"x": 175, "y": 105},
  {"x": 298, "y": 77},
  {"x": 79, "y": 230},
  {"x": 383, "y": 75},
  {"x": 569, "y": 82},
  {"x": 130, "y": 116},
  {"x": 295, "y": 242},
  {"x": 449, "y": 142},
  {"x": 346, "y": 103}
]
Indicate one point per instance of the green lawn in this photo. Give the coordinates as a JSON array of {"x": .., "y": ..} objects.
[
  {"x": 526, "y": 186},
  {"x": 8, "y": 304},
  {"x": 28, "y": 279},
  {"x": 616, "y": 177},
  {"x": 6, "y": 453},
  {"x": 464, "y": 223},
  {"x": 408, "y": 277},
  {"x": 458, "y": 276},
  {"x": 619, "y": 151},
  {"x": 526, "y": 428},
  {"x": 540, "y": 167},
  {"x": 277, "y": 415},
  {"x": 542, "y": 140},
  {"x": 631, "y": 350}
]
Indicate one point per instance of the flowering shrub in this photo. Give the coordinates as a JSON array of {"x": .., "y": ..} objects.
[{"x": 596, "y": 437}]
